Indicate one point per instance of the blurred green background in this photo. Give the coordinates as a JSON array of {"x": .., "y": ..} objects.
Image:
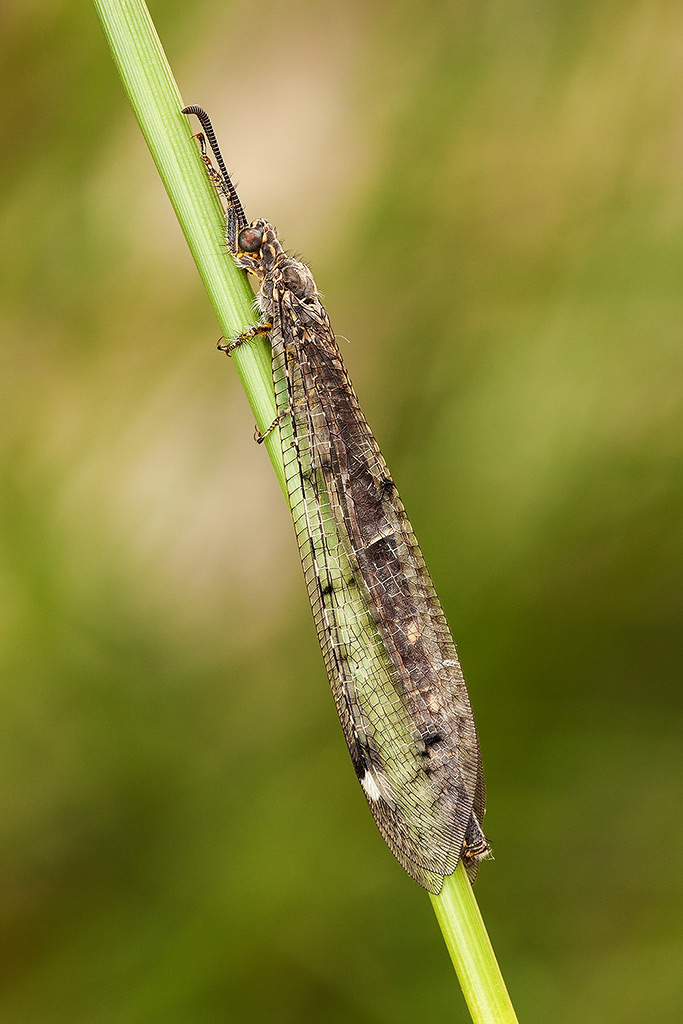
[{"x": 491, "y": 197}]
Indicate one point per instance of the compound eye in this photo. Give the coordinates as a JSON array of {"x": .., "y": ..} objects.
[{"x": 249, "y": 239}]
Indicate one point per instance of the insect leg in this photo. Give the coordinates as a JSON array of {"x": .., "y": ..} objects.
[
  {"x": 280, "y": 418},
  {"x": 252, "y": 332}
]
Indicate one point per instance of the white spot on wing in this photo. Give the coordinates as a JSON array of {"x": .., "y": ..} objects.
[
  {"x": 377, "y": 787},
  {"x": 372, "y": 790}
]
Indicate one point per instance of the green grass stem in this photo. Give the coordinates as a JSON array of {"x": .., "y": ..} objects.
[
  {"x": 157, "y": 104},
  {"x": 471, "y": 951}
]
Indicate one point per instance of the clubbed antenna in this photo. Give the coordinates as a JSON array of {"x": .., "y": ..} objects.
[{"x": 236, "y": 214}]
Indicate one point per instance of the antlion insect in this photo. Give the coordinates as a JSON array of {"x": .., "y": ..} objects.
[{"x": 390, "y": 657}]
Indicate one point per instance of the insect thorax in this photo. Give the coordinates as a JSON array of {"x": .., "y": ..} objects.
[{"x": 277, "y": 272}]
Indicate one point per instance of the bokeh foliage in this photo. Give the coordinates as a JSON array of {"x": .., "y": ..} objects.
[{"x": 491, "y": 198}]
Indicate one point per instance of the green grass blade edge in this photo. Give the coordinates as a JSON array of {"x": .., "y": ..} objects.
[
  {"x": 157, "y": 104},
  {"x": 471, "y": 951}
]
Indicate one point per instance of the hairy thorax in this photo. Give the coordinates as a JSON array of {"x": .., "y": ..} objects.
[{"x": 277, "y": 272}]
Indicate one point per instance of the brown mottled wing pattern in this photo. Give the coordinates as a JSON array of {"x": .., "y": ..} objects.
[{"x": 389, "y": 654}]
